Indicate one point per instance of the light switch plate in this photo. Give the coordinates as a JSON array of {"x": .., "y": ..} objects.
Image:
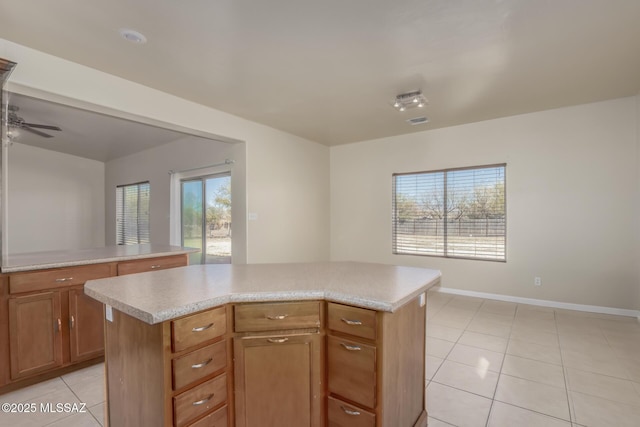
[{"x": 108, "y": 312}]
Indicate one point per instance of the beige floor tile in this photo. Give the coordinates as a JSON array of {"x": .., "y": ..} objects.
[
  {"x": 499, "y": 307},
  {"x": 41, "y": 416},
  {"x": 536, "y": 337},
  {"x": 490, "y": 327},
  {"x": 596, "y": 347},
  {"x": 438, "y": 348},
  {"x": 35, "y": 391},
  {"x": 466, "y": 303},
  {"x": 533, "y": 311},
  {"x": 94, "y": 372},
  {"x": 504, "y": 415},
  {"x": 433, "y": 364},
  {"x": 90, "y": 390},
  {"x": 468, "y": 378},
  {"x": 476, "y": 357},
  {"x": 530, "y": 350},
  {"x": 98, "y": 412},
  {"x": 596, "y": 411},
  {"x": 534, "y": 396},
  {"x": 488, "y": 342},
  {"x": 453, "y": 317},
  {"x": 602, "y": 364},
  {"x": 501, "y": 318},
  {"x": 538, "y": 325},
  {"x": 436, "y": 330},
  {"x": 631, "y": 367},
  {"x": 432, "y": 422},
  {"x": 457, "y": 407},
  {"x": 533, "y": 370},
  {"x": 610, "y": 388},
  {"x": 77, "y": 420}
]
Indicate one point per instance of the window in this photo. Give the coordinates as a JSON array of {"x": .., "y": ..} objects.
[
  {"x": 132, "y": 213},
  {"x": 454, "y": 213}
]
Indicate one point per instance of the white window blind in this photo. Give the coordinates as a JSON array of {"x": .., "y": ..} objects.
[
  {"x": 455, "y": 213},
  {"x": 132, "y": 213}
]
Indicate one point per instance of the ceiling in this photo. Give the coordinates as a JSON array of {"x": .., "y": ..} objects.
[
  {"x": 85, "y": 133},
  {"x": 329, "y": 70}
]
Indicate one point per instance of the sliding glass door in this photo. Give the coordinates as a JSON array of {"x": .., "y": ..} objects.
[{"x": 206, "y": 218}]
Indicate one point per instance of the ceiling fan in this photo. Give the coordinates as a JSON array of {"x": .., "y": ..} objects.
[{"x": 15, "y": 121}]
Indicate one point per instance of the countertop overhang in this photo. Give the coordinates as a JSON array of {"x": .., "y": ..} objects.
[
  {"x": 69, "y": 258},
  {"x": 158, "y": 296}
]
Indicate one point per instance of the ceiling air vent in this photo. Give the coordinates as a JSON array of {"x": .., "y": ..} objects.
[{"x": 418, "y": 120}]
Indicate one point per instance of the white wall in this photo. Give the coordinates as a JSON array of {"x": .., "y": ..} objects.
[
  {"x": 572, "y": 215},
  {"x": 638, "y": 175},
  {"x": 287, "y": 177},
  {"x": 55, "y": 201}
]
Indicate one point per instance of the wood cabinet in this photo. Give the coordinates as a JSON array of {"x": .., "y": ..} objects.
[
  {"x": 174, "y": 373},
  {"x": 35, "y": 333},
  {"x": 152, "y": 264},
  {"x": 301, "y": 363},
  {"x": 376, "y": 366},
  {"x": 48, "y": 326}
]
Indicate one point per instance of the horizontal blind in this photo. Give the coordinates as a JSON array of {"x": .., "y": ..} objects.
[
  {"x": 457, "y": 213},
  {"x": 132, "y": 213}
]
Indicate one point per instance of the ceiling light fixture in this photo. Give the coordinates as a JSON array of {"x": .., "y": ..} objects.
[
  {"x": 409, "y": 100},
  {"x": 132, "y": 36}
]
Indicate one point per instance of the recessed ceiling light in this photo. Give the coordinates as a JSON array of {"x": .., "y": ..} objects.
[{"x": 132, "y": 36}]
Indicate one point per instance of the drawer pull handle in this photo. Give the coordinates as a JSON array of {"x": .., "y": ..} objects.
[
  {"x": 202, "y": 328},
  {"x": 351, "y": 347},
  {"x": 349, "y": 411},
  {"x": 205, "y": 400},
  {"x": 202, "y": 365},
  {"x": 279, "y": 317},
  {"x": 277, "y": 340},
  {"x": 64, "y": 279},
  {"x": 351, "y": 322},
  {"x": 155, "y": 266}
]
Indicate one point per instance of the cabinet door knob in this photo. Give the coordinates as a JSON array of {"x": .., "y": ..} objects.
[
  {"x": 64, "y": 279},
  {"x": 351, "y": 322},
  {"x": 277, "y": 340},
  {"x": 351, "y": 347},
  {"x": 72, "y": 322},
  {"x": 278, "y": 317},
  {"x": 349, "y": 411},
  {"x": 59, "y": 325},
  {"x": 202, "y": 328},
  {"x": 202, "y": 364},
  {"x": 205, "y": 400}
]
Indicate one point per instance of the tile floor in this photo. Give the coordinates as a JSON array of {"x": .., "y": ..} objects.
[
  {"x": 493, "y": 363},
  {"x": 489, "y": 363}
]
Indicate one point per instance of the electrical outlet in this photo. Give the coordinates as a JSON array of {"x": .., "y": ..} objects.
[{"x": 537, "y": 281}]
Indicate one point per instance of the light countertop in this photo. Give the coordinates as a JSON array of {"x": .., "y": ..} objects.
[
  {"x": 163, "y": 295},
  {"x": 56, "y": 259}
]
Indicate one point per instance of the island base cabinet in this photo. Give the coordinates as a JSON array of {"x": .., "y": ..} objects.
[{"x": 277, "y": 380}]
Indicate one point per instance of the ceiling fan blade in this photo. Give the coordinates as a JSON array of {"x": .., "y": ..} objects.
[
  {"x": 37, "y": 132},
  {"x": 38, "y": 126}
]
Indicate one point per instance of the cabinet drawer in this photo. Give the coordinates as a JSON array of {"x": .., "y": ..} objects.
[
  {"x": 198, "y": 328},
  {"x": 50, "y": 279},
  {"x": 214, "y": 419},
  {"x": 342, "y": 414},
  {"x": 352, "y": 370},
  {"x": 199, "y": 400},
  {"x": 151, "y": 264},
  {"x": 355, "y": 321},
  {"x": 277, "y": 316},
  {"x": 198, "y": 364}
]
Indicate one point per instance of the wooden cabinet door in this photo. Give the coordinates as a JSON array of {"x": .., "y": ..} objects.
[
  {"x": 35, "y": 333},
  {"x": 86, "y": 326},
  {"x": 277, "y": 381}
]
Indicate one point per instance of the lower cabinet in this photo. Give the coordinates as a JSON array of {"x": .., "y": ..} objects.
[
  {"x": 278, "y": 380},
  {"x": 86, "y": 326},
  {"x": 35, "y": 333}
]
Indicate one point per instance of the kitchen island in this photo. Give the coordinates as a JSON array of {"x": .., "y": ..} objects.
[{"x": 339, "y": 344}]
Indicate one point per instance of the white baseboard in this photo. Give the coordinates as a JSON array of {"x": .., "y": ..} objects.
[{"x": 542, "y": 302}]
